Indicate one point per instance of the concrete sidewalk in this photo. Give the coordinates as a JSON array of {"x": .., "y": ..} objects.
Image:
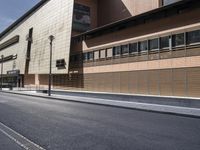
[{"x": 161, "y": 108}]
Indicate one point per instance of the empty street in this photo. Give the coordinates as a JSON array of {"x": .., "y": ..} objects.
[{"x": 63, "y": 125}]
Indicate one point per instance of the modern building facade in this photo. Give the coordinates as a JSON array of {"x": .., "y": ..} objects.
[{"x": 147, "y": 47}]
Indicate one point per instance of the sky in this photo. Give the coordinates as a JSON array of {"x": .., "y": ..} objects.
[{"x": 11, "y": 10}]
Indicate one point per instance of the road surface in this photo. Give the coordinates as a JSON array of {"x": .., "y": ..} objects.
[{"x": 62, "y": 125}]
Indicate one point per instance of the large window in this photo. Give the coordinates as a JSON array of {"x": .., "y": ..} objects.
[
  {"x": 133, "y": 48},
  {"x": 103, "y": 54},
  {"x": 178, "y": 39},
  {"x": 85, "y": 57},
  {"x": 60, "y": 63},
  {"x": 143, "y": 46},
  {"x": 193, "y": 37},
  {"x": 125, "y": 49},
  {"x": 154, "y": 44},
  {"x": 164, "y": 42},
  {"x": 109, "y": 53},
  {"x": 96, "y": 55},
  {"x": 90, "y": 55},
  {"x": 117, "y": 51},
  {"x": 81, "y": 18}
]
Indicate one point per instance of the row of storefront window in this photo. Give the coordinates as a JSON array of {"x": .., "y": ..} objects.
[{"x": 162, "y": 43}]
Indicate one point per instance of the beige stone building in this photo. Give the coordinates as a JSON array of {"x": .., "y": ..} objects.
[{"x": 149, "y": 47}]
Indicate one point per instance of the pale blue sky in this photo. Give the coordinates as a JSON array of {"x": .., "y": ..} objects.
[{"x": 10, "y": 10}]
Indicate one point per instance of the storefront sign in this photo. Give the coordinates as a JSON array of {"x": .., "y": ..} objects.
[{"x": 13, "y": 72}]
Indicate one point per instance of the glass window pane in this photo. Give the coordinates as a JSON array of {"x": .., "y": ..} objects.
[
  {"x": 133, "y": 48},
  {"x": 193, "y": 37},
  {"x": 178, "y": 39},
  {"x": 96, "y": 55},
  {"x": 143, "y": 46},
  {"x": 85, "y": 56},
  {"x": 109, "y": 53},
  {"x": 125, "y": 49},
  {"x": 90, "y": 55},
  {"x": 116, "y": 50},
  {"x": 164, "y": 42},
  {"x": 153, "y": 44},
  {"x": 103, "y": 54}
]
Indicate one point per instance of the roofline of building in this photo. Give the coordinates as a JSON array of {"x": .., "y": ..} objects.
[
  {"x": 119, "y": 23},
  {"x": 22, "y": 18},
  {"x": 131, "y": 21}
]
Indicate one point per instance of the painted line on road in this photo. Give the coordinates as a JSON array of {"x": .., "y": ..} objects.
[{"x": 19, "y": 139}]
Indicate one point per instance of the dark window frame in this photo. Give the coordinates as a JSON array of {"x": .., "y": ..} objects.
[
  {"x": 117, "y": 50},
  {"x": 158, "y": 44},
  {"x": 90, "y": 56},
  {"x": 187, "y": 37},
  {"x": 139, "y": 46},
  {"x": 122, "y": 51},
  {"x": 162, "y": 47},
  {"x": 60, "y": 63},
  {"x": 174, "y": 40},
  {"x": 130, "y": 48}
]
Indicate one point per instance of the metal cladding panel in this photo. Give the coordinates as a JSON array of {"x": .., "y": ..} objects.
[{"x": 52, "y": 18}]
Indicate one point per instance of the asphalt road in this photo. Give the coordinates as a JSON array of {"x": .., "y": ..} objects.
[{"x": 60, "y": 125}]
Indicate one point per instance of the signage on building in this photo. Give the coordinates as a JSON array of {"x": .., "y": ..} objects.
[
  {"x": 81, "y": 18},
  {"x": 13, "y": 72}
]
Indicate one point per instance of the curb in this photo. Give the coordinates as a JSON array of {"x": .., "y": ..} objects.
[{"x": 165, "y": 109}]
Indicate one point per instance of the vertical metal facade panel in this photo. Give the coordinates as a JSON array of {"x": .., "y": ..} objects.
[
  {"x": 193, "y": 75},
  {"x": 116, "y": 82},
  {"x": 142, "y": 82},
  {"x": 133, "y": 82},
  {"x": 124, "y": 82},
  {"x": 101, "y": 82},
  {"x": 166, "y": 82},
  {"x": 179, "y": 82},
  {"x": 108, "y": 80},
  {"x": 153, "y": 82},
  {"x": 53, "y": 18}
]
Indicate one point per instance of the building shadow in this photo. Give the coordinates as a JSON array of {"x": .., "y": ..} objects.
[{"x": 109, "y": 11}]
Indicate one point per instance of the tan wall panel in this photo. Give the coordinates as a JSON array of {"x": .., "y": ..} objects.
[
  {"x": 153, "y": 82},
  {"x": 142, "y": 82},
  {"x": 133, "y": 82},
  {"x": 29, "y": 79},
  {"x": 116, "y": 82},
  {"x": 108, "y": 82},
  {"x": 193, "y": 77},
  {"x": 166, "y": 82},
  {"x": 179, "y": 82},
  {"x": 124, "y": 82}
]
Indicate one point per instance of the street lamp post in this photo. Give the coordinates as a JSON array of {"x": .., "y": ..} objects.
[
  {"x": 2, "y": 58},
  {"x": 51, "y": 38}
]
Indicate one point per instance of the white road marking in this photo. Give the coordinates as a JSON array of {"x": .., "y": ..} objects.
[{"x": 19, "y": 139}]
